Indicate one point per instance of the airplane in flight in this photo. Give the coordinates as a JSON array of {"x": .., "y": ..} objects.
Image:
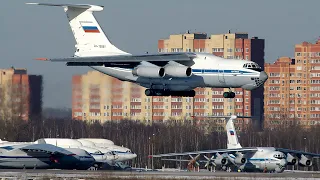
[
  {"x": 162, "y": 74},
  {"x": 248, "y": 159},
  {"x": 43, "y": 156}
]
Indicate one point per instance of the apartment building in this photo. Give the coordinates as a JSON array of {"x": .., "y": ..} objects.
[
  {"x": 230, "y": 46},
  {"x": 20, "y": 94},
  {"x": 98, "y": 97},
  {"x": 292, "y": 92}
]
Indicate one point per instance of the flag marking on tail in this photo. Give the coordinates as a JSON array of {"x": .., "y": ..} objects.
[
  {"x": 232, "y": 133},
  {"x": 89, "y": 27}
]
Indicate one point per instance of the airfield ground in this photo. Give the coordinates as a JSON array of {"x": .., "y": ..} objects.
[{"x": 156, "y": 175}]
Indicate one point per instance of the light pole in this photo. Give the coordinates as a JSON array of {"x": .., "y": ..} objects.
[
  {"x": 305, "y": 149},
  {"x": 152, "y": 150}
]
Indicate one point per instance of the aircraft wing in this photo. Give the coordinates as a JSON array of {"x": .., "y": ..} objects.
[
  {"x": 229, "y": 151},
  {"x": 183, "y": 160},
  {"x": 45, "y": 148},
  {"x": 298, "y": 152},
  {"x": 124, "y": 60}
]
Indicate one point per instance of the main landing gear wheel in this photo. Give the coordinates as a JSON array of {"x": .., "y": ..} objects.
[
  {"x": 229, "y": 95},
  {"x": 148, "y": 92}
]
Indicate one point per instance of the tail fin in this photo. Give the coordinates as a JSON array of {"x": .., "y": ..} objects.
[
  {"x": 233, "y": 141},
  {"x": 90, "y": 38}
]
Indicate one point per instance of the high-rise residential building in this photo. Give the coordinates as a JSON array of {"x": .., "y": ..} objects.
[
  {"x": 99, "y": 97},
  {"x": 292, "y": 92},
  {"x": 230, "y": 46},
  {"x": 20, "y": 94}
]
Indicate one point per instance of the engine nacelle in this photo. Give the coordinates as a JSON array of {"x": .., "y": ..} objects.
[
  {"x": 240, "y": 159},
  {"x": 149, "y": 71},
  {"x": 304, "y": 161},
  {"x": 291, "y": 160},
  {"x": 221, "y": 161},
  {"x": 178, "y": 71}
]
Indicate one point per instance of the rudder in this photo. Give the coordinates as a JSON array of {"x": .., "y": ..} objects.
[
  {"x": 89, "y": 36},
  {"x": 233, "y": 141}
]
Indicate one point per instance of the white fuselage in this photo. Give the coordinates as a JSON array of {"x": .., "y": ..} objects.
[
  {"x": 110, "y": 154},
  {"x": 208, "y": 71},
  {"x": 264, "y": 160},
  {"x": 11, "y": 156}
]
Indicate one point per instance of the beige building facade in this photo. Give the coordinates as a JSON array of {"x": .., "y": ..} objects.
[
  {"x": 292, "y": 92},
  {"x": 97, "y": 96}
]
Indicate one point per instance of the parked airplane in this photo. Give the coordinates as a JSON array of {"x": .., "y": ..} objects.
[
  {"x": 102, "y": 155},
  {"x": 125, "y": 153},
  {"x": 269, "y": 159},
  {"x": 164, "y": 74},
  {"x": 43, "y": 156}
]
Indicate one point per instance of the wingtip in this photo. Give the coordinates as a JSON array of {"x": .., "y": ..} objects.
[
  {"x": 41, "y": 59},
  {"x": 32, "y": 3}
]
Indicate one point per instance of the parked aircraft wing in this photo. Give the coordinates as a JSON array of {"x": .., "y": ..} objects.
[
  {"x": 45, "y": 148},
  {"x": 118, "y": 60},
  {"x": 229, "y": 151},
  {"x": 314, "y": 155},
  {"x": 183, "y": 160}
]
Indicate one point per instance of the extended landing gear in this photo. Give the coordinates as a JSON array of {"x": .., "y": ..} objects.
[
  {"x": 229, "y": 94},
  {"x": 161, "y": 92}
]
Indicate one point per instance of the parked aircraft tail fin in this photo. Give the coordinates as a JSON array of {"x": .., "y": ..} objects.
[{"x": 233, "y": 141}]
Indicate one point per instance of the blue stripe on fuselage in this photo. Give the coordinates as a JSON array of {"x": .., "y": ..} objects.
[
  {"x": 209, "y": 71},
  {"x": 256, "y": 159},
  {"x": 219, "y": 71}
]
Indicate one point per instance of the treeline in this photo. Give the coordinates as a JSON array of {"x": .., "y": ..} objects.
[{"x": 161, "y": 137}]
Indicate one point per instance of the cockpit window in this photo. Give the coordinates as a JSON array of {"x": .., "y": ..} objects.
[
  {"x": 279, "y": 156},
  {"x": 253, "y": 66}
]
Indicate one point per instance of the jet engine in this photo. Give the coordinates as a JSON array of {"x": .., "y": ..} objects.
[
  {"x": 292, "y": 160},
  {"x": 221, "y": 160},
  {"x": 240, "y": 159},
  {"x": 304, "y": 161},
  {"x": 149, "y": 71},
  {"x": 178, "y": 71}
]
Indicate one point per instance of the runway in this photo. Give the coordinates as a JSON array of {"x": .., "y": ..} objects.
[{"x": 119, "y": 175}]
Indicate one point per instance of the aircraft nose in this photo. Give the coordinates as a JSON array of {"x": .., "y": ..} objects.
[
  {"x": 134, "y": 155},
  {"x": 263, "y": 76}
]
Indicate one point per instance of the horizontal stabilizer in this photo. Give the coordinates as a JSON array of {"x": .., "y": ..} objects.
[{"x": 80, "y": 6}]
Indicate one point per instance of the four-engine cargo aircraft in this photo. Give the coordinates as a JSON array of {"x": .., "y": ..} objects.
[
  {"x": 43, "y": 156},
  {"x": 163, "y": 74},
  {"x": 268, "y": 159},
  {"x": 104, "y": 156}
]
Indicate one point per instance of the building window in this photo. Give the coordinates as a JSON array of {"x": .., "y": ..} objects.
[{"x": 176, "y": 49}]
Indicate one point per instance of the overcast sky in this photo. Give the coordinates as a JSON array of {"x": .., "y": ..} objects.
[{"x": 135, "y": 26}]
